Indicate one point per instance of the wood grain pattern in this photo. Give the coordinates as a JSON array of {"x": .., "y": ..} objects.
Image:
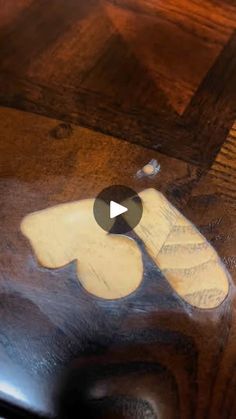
[
  {"x": 185, "y": 258},
  {"x": 215, "y": 217},
  {"x": 39, "y": 170},
  {"x": 68, "y": 232},
  {"x": 224, "y": 168},
  {"x": 132, "y": 69},
  {"x": 116, "y": 83},
  {"x": 152, "y": 337}
]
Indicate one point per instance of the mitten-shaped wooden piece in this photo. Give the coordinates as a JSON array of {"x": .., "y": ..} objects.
[{"x": 187, "y": 260}]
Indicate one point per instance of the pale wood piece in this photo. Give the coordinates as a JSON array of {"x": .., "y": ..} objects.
[
  {"x": 108, "y": 266},
  {"x": 187, "y": 260}
]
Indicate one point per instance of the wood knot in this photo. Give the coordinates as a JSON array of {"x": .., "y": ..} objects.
[{"x": 62, "y": 131}]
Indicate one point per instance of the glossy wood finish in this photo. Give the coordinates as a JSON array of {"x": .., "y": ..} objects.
[{"x": 158, "y": 74}]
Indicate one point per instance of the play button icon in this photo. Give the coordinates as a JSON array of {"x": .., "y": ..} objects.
[{"x": 118, "y": 209}]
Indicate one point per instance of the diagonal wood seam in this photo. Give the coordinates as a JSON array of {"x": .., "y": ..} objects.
[{"x": 192, "y": 129}]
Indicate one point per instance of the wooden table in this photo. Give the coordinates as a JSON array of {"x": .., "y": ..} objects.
[{"x": 91, "y": 91}]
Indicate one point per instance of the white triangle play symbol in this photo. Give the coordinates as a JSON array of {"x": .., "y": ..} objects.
[{"x": 116, "y": 209}]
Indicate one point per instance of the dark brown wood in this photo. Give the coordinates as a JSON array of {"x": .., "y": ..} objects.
[
  {"x": 48, "y": 320},
  {"x": 101, "y": 88},
  {"x": 103, "y": 65}
]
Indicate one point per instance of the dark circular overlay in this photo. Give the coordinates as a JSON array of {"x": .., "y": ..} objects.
[{"x": 122, "y": 195}]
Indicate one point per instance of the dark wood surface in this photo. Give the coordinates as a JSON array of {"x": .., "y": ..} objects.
[{"x": 99, "y": 89}]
